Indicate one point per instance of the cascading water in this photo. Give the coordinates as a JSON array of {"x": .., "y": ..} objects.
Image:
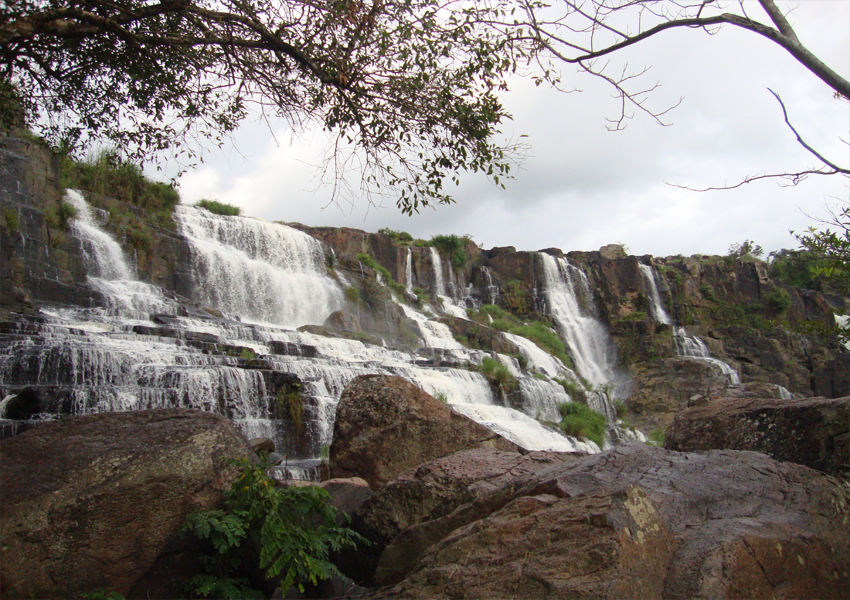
[
  {"x": 448, "y": 302},
  {"x": 657, "y": 307},
  {"x": 693, "y": 347},
  {"x": 408, "y": 272},
  {"x": 145, "y": 356},
  {"x": 589, "y": 343},
  {"x": 265, "y": 272},
  {"x": 109, "y": 270}
]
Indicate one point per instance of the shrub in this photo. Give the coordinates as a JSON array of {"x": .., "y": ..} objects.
[
  {"x": 452, "y": 247},
  {"x": 352, "y": 294},
  {"x": 579, "y": 420},
  {"x": 65, "y": 213},
  {"x": 219, "y": 208},
  {"x": 500, "y": 373},
  {"x": 10, "y": 218},
  {"x": 656, "y": 437},
  {"x": 620, "y": 408},
  {"x": 401, "y": 237},
  {"x": 778, "y": 300},
  {"x": 293, "y": 528},
  {"x": 441, "y": 396}
]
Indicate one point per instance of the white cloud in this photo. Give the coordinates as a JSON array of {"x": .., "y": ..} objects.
[{"x": 582, "y": 187}]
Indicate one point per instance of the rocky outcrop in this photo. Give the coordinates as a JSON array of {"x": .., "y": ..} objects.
[
  {"x": 91, "y": 502},
  {"x": 428, "y": 492},
  {"x": 385, "y": 425},
  {"x": 476, "y": 335},
  {"x": 809, "y": 431},
  {"x": 640, "y": 522},
  {"x": 666, "y": 386}
]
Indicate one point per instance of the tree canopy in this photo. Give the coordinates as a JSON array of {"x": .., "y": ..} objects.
[{"x": 409, "y": 88}]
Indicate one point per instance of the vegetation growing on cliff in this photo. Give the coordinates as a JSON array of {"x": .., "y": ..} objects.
[
  {"x": 293, "y": 529},
  {"x": 453, "y": 248},
  {"x": 219, "y": 208},
  {"x": 579, "y": 420}
]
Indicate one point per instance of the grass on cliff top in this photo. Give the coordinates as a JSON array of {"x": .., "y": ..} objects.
[
  {"x": 109, "y": 174},
  {"x": 219, "y": 208}
]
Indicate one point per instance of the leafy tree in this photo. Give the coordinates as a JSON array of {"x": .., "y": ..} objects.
[
  {"x": 832, "y": 245},
  {"x": 293, "y": 528},
  {"x": 746, "y": 250},
  {"x": 409, "y": 88}
]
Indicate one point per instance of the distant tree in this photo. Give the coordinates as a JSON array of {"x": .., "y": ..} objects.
[
  {"x": 589, "y": 33},
  {"x": 409, "y": 88},
  {"x": 832, "y": 245},
  {"x": 746, "y": 250}
]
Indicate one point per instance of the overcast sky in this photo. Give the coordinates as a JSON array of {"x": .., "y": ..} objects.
[{"x": 581, "y": 186}]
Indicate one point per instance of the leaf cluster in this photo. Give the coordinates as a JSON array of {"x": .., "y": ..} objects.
[
  {"x": 293, "y": 529},
  {"x": 453, "y": 247},
  {"x": 409, "y": 91}
]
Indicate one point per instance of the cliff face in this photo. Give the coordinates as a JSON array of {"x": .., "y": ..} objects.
[{"x": 770, "y": 334}]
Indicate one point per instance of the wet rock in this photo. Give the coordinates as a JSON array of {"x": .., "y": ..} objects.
[
  {"x": 98, "y": 513},
  {"x": 261, "y": 445},
  {"x": 347, "y": 495},
  {"x": 385, "y": 425},
  {"x": 641, "y": 522},
  {"x": 806, "y": 431},
  {"x": 480, "y": 336},
  {"x": 343, "y": 321}
]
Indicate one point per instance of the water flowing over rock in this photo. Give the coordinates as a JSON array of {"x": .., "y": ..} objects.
[
  {"x": 265, "y": 272},
  {"x": 658, "y": 313},
  {"x": 90, "y": 502},
  {"x": 809, "y": 431},
  {"x": 637, "y": 522}
]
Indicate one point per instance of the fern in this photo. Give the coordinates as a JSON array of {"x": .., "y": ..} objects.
[{"x": 294, "y": 529}]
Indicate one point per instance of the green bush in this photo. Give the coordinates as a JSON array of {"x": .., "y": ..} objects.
[
  {"x": 352, "y": 294},
  {"x": 293, "y": 529},
  {"x": 10, "y": 218},
  {"x": 656, "y": 437},
  {"x": 500, "y": 373},
  {"x": 579, "y": 420},
  {"x": 452, "y": 247},
  {"x": 401, "y": 237},
  {"x": 620, "y": 407},
  {"x": 219, "y": 208},
  {"x": 442, "y": 397},
  {"x": 778, "y": 300}
]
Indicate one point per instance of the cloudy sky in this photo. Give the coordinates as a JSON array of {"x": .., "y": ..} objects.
[{"x": 581, "y": 186}]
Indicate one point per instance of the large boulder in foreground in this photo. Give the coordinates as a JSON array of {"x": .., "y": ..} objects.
[
  {"x": 641, "y": 522},
  {"x": 90, "y": 502},
  {"x": 809, "y": 431},
  {"x": 385, "y": 425},
  {"x": 431, "y": 491}
]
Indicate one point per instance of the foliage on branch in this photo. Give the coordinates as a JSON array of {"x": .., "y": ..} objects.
[
  {"x": 293, "y": 529},
  {"x": 832, "y": 245},
  {"x": 409, "y": 89}
]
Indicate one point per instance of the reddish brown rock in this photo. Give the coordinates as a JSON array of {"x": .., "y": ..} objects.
[
  {"x": 431, "y": 491},
  {"x": 807, "y": 431},
  {"x": 385, "y": 425},
  {"x": 641, "y": 522},
  {"x": 90, "y": 502}
]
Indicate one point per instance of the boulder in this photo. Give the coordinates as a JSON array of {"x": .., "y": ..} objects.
[
  {"x": 90, "y": 502},
  {"x": 261, "y": 445},
  {"x": 385, "y": 425},
  {"x": 431, "y": 491},
  {"x": 347, "y": 495},
  {"x": 641, "y": 522},
  {"x": 807, "y": 431},
  {"x": 664, "y": 387}
]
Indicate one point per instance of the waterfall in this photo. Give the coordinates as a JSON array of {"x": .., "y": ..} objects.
[
  {"x": 589, "y": 343},
  {"x": 658, "y": 312},
  {"x": 408, "y": 272},
  {"x": 266, "y": 272},
  {"x": 695, "y": 348},
  {"x": 107, "y": 266},
  {"x": 436, "y": 262},
  {"x": 492, "y": 290}
]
